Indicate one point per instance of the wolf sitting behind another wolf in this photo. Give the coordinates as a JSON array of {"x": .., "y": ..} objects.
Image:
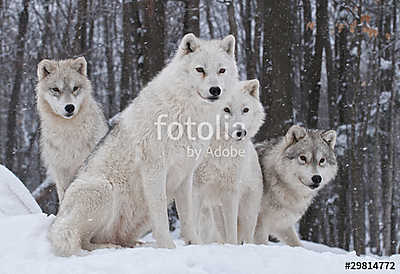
[
  {"x": 71, "y": 121},
  {"x": 227, "y": 189},
  {"x": 295, "y": 168}
]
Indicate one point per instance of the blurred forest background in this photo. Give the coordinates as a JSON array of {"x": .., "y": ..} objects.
[{"x": 322, "y": 63}]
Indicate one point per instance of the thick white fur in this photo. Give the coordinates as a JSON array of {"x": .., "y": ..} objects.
[
  {"x": 132, "y": 176},
  {"x": 287, "y": 194},
  {"x": 228, "y": 189},
  {"x": 67, "y": 141}
]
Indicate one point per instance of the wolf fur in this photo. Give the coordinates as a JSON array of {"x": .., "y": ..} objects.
[
  {"x": 295, "y": 168},
  {"x": 67, "y": 138},
  {"x": 228, "y": 190},
  {"x": 129, "y": 180}
]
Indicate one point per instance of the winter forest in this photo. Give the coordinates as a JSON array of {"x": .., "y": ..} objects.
[{"x": 329, "y": 64}]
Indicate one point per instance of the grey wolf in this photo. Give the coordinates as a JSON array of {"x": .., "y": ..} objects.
[
  {"x": 295, "y": 167},
  {"x": 228, "y": 188},
  {"x": 124, "y": 189},
  {"x": 71, "y": 120}
]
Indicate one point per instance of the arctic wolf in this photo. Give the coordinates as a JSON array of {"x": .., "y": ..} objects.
[
  {"x": 295, "y": 168},
  {"x": 228, "y": 186},
  {"x": 142, "y": 163},
  {"x": 71, "y": 120}
]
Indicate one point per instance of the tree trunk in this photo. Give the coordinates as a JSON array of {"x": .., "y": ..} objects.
[
  {"x": 209, "y": 20},
  {"x": 358, "y": 208},
  {"x": 388, "y": 193},
  {"x": 80, "y": 41},
  {"x": 233, "y": 29},
  {"x": 191, "y": 17},
  {"x": 277, "y": 98},
  {"x": 310, "y": 225},
  {"x": 126, "y": 73},
  {"x": 18, "y": 77},
  {"x": 111, "y": 87},
  {"x": 153, "y": 39}
]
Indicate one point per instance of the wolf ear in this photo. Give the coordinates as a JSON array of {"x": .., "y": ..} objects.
[
  {"x": 45, "y": 67},
  {"x": 252, "y": 87},
  {"x": 79, "y": 64},
  {"x": 228, "y": 44},
  {"x": 329, "y": 137},
  {"x": 294, "y": 134},
  {"x": 189, "y": 44}
]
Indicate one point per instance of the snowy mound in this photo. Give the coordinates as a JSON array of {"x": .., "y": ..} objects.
[
  {"x": 15, "y": 198},
  {"x": 25, "y": 249}
]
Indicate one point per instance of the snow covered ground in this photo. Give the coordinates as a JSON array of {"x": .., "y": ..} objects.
[
  {"x": 24, "y": 248},
  {"x": 15, "y": 198}
]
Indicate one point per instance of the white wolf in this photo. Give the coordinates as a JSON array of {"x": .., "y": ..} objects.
[
  {"x": 228, "y": 183},
  {"x": 71, "y": 120},
  {"x": 142, "y": 163},
  {"x": 294, "y": 168}
]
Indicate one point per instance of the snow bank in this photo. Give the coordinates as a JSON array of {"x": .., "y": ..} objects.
[
  {"x": 25, "y": 249},
  {"x": 15, "y": 198}
]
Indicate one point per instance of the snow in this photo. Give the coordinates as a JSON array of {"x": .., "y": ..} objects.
[
  {"x": 15, "y": 198},
  {"x": 25, "y": 249}
]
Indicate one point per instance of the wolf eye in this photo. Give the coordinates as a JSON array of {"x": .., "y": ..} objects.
[
  {"x": 245, "y": 110},
  {"x": 55, "y": 89},
  {"x": 227, "y": 110},
  {"x": 222, "y": 70},
  {"x": 200, "y": 69},
  {"x": 75, "y": 88},
  {"x": 303, "y": 158},
  {"x": 322, "y": 161}
]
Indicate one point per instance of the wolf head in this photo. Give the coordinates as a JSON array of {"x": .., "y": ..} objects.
[
  {"x": 308, "y": 159},
  {"x": 63, "y": 85},
  {"x": 243, "y": 114},
  {"x": 208, "y": 66}
]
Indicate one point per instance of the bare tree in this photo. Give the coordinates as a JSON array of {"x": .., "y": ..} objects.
[
  {"x": 126, "y": 74},
  {"x": 153, "y": 38},
  {"x": 191, "y": 17},
  {"x": 16, "y": 90}
]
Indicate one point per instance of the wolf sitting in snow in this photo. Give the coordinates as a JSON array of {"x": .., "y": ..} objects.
[
  {"x": 71, "y": 120},
  {"x": 228, "y": 187},
  {"x": 295, "y": 168},
  {"x": 143, "y": 164}
]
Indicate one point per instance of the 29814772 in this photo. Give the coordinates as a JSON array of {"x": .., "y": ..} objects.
[{"x": 377, "y": 265}]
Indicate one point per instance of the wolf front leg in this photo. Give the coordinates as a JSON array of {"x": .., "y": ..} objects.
[
  {"x": 289, "y": 236},
  {"x": 247, "y": 220},
  {"x": 230, "y": 208},
  {"x": 184, "y": 206},
  {"x": 262, "y": 232},
  {"x": 155, "y": 192}
]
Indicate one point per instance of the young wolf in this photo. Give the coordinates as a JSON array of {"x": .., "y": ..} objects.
[
  {"x": 229, "y": 187},
  {"x": 143, "y": 162},
  {"x": 71, "y": 121},
  {"x": 295, "y": 168}
]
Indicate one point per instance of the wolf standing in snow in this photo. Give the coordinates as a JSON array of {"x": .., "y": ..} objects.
[
  {"x": 142, "y": 164},
  {"x": 295, "y": 168},
  {"x": 71, "y": 120},
  {"x": 229, "y": 188}
]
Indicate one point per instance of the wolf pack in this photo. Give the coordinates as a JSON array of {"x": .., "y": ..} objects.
[{"x": 187, "y": 137}]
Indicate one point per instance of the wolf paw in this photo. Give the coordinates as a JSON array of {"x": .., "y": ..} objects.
[{"x": 167, "y": 243}]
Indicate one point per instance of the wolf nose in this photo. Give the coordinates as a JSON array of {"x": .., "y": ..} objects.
[
  {"x": 316, "y": 179},
  {"x": 69, "y": 108},
  {"x": 215, "y": 91}
]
